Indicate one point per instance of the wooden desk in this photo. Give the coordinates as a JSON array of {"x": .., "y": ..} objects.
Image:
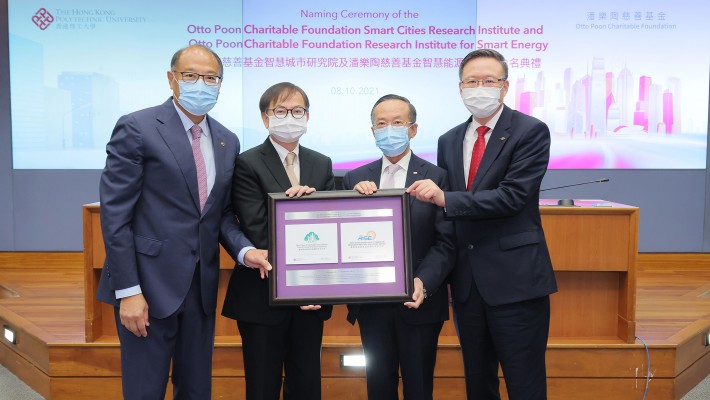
[{"x": 593, "y": 249}]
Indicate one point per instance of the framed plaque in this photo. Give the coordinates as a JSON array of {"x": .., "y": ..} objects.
[{"x": 340, "y": 247}]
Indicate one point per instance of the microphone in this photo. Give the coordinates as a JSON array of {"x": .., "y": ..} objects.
[{"x": 570, "y": 202}]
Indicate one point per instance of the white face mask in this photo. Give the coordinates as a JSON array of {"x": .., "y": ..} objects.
[
  {"x": 483, "y": 101},
  {"x": 287, "y": 130}
]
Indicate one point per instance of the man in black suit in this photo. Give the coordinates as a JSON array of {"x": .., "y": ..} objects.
[
  {"x": 503, "y": 276},
  {"x": 276, "y": 339},
  {"x": 394, "y": 336}
]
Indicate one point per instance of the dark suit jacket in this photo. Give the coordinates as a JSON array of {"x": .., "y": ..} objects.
[
  {"x": 432, "y": 240},
  {"x": 501, "y": 245},
  {"x": 259, "y": 171},
  {"x": 153, "y": 230}
]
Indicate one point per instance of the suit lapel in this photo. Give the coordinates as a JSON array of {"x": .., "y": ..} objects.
[
  {"x": 495, "y": 144},
  {"x": 218, "y": 148},
  {"x": 175, "y": 136},
  {"x": 416, "y": 171},
  {"x": 273, "y": 163},
  {"x": 456, "y": 152},
  {"x": 306, "y": 166},
  {"x": 375, "y": 172}
]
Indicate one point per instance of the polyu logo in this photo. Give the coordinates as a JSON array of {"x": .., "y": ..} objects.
[{"x": 43, "y": 18}]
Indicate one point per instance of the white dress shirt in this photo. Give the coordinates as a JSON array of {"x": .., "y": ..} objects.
[{"x": 400, "y": 177}]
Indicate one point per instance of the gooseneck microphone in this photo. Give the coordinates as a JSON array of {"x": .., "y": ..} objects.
[{"x": 570, "y": 202}]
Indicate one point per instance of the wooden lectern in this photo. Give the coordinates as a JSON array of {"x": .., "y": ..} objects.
[{"x": 593, "y": 247}]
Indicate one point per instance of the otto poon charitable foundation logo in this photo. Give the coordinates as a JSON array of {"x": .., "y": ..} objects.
[{"x": 43, "y": 18}]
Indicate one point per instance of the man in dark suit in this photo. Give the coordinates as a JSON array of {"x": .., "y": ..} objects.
[
  {"x": 394, "y": 336},
  {"x": 503, "y": 277},
  {"x": 165, "y": 207},
  {"x": 276, "y": 339}
]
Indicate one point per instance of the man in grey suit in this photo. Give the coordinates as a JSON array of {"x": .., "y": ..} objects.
[
  {"x": 398, "y": 337},
  {"x": 284, "y": 339},
  {"x": 165, "y": 207}
]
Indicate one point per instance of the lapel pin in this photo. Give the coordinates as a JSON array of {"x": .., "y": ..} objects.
[
  {"x": 415, "y": 173},
  {"x": 221, "y": 144},
  {"x": 502, "y": 138}
]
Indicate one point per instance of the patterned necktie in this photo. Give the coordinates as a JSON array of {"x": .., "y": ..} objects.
[
  {"x": 199, "y": 164},
  {"x": 388, "y": 182},
  {"x": 290, "y": 171},
  {"x": 477, "y": 154}
]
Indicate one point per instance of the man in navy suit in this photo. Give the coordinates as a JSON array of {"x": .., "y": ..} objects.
[
  {"x": 394, "y": 336},
  {"x": 503, "y": 276},
  {"x": 286, "y": 339},
  {"x": 165, "y": 207}
]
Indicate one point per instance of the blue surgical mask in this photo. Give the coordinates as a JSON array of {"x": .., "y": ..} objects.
[
  {"x": 392, "y": 140},
  {"x": 197, "y": 98}
]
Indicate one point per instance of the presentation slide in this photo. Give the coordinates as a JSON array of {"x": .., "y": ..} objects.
[{"x": 622, "y": 85}]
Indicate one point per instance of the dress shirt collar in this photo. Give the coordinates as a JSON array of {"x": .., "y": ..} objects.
[
  {"x": 188, "y": 124},
  {"x": 403, "y": 162},
  {"x": 283, "y": 151},
  {"x": 491, "y": 124}
]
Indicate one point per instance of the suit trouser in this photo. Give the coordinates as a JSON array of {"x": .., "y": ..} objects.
[
  {"x": 186, "y": 337},
  {"x": 292, "y": 346},
  {"x": 513, "y": 334},
  {"x": 390, "y": 344}
]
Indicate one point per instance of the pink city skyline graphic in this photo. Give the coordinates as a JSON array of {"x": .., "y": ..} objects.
[
  {"x": 602, "y": 103},
  {"x": 603, "y": 119}
]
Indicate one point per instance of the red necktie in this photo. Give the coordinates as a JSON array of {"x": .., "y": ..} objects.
[
  {"x": 477, "y": 154},
  {"x": 199, "y": 165}
]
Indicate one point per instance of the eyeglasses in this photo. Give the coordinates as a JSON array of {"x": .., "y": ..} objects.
[
  {"x": 396, "y": 124},
  {"x": 488, "y": 82},
  {"x": 192, "y": 77},
  {"x": 282, "y": 112}
]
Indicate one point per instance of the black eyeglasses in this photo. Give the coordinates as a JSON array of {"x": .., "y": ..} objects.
[
  {"x": 192, "y": 77},
  {"x": 488, "y": 82},
  {"x": 282, "y": 112}
]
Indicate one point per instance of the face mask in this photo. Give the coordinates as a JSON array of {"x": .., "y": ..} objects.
[
  {"x": 197, "y": 98},
  {"x": 287, "y": 130},
  {"x": 392, "y": 140},
  {"x": 482, "y": 102}
]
